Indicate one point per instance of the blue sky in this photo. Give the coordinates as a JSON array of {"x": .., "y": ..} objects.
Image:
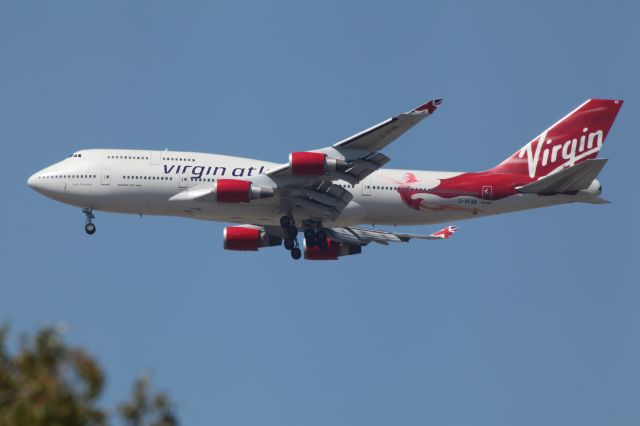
[{"x": 530, "y": 318}]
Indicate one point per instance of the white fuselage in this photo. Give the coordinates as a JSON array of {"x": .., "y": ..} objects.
[{"x": 142, "y": 182}]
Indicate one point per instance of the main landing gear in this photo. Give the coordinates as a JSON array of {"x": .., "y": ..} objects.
[
  {"x": 89, "y": 227},
  {"x": 290, "y": 236},
  {"x": 315, "y": 236}
]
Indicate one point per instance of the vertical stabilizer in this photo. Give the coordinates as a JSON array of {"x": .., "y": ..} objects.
[{"x": 575, "y": 138}]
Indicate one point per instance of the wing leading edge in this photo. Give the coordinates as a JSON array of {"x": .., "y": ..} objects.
[{"x": 382, "y": 134}]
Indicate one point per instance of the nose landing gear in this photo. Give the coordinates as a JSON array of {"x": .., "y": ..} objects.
[{"x": 89, "y": 227}]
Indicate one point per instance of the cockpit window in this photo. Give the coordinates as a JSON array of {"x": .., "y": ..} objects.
[{"x": 75, "y": 156}]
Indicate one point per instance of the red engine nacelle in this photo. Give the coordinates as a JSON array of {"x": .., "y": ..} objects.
[
  {"x": 314, "y": 164},
  {"x": 244, "y": 238},
  {"x": 307, "y": 163},
  {"x": 239, "y": 191},
  {"x": 333, "y": 251}
]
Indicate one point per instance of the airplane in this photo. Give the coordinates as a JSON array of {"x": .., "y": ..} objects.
[{"x": 328, "y": 193}]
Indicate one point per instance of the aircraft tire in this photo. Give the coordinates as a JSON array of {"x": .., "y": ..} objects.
[
  {"x": 288, "y": 243},
  {"x": 296, "y": 253},
  {"x": 285, "y": 221},
  {"x": 90, "y": 228}
]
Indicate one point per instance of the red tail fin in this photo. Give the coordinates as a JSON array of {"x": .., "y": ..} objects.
[{"x": 575, "y": 138}]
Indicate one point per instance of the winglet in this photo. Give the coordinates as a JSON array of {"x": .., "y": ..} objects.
[
  {"x": 445, "y": 232},
  {"x": 427, "y": 108}
]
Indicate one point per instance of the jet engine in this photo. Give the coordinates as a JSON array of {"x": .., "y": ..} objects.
[
  {"x": 333, "y": 251},
  {"x": 239, "y": 191},
  {"x": 248, "y": 238},
  {"x": 314, "y": 164}
]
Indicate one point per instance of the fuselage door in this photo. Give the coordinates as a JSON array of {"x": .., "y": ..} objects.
[
  {"x": 106, "y": 177},
  {"x": 366, "y": 187}
]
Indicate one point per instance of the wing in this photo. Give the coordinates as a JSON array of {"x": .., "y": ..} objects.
[
  {"x": 379, "y": 136},
  {"x": 362, "y": 237},
  {"x": 308, "y": 179},
  {"x": 322, "y": 197}
]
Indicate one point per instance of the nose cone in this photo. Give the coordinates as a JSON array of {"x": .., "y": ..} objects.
[
  {"x": 42, "y": 183},
  {"x": 37, "y": 183},
  {"x": 33, "y": 181}
]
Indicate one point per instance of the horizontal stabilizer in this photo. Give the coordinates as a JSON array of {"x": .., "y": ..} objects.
[
  {"x": 597, "y": 200},
  {"x": 574, "y": 178}
]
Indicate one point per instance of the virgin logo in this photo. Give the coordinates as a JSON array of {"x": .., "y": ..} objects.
[{"x": 564, "y": 154}]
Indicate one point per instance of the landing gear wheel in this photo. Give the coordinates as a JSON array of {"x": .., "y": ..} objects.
[
  {"x": 290, "y": 234},
  {"x": 90, "y": 228},
  {"x": 288, "y": 243},
  {"x": 296, "y": 253},
  {"x": 292, "y": 231},
  {"x": 323, "y": 244},
  {"x": 286, "y": 221},
  {"x": 311, "y": 241}
]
